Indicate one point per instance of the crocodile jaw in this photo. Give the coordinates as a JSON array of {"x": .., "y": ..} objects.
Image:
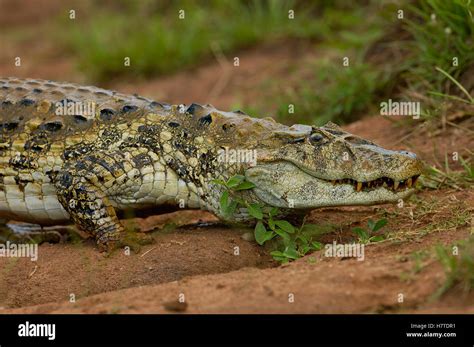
[{"x": 284, "y": 185}]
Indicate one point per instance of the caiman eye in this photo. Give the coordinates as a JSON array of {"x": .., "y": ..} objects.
[{"x": 316, "y": 138}]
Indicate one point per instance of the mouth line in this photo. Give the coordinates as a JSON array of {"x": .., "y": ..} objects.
[{"x": 382, "y": 182}]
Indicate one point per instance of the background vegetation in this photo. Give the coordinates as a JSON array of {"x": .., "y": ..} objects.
[{"x": 390, "y": 53}]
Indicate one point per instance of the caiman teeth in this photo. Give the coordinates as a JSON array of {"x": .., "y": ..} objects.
[
  {"x": 386, "y": 182},
  {"x": 395, "y": 185}
]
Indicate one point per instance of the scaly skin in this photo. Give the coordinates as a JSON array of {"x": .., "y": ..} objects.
[{"x": 60, "y": 163}]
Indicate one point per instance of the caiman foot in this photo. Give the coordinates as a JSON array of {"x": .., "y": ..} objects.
[{"x": 127, "y": 240}]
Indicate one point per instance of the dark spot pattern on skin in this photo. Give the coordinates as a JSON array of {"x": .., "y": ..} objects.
[
  {"x": 66, "y": 179},
  {"x": 66, "y": 101},
  {"x": 78, "y": 150},
  {"x": 206, "y": 120},
  {"x": 37, "y": 91},
  {"x": 227, "y": 127},
  {"x": 129, "y": 108},
  {"x": 193, "y": 108},
  {"x": 8, "y": 126},
  {"x": 173, "y": 124},
  {"x": 27, "y": 102},
  {"x": 19, "y": 162},
  {"x": 38, "y": 143},
  {"x": 51, "y": 126},
  {"x": 142, "y": 160},
  {"x": 106, "y": 114},
  {"x": 80, "y": 165},
  {"x": 78, "y": 119}
]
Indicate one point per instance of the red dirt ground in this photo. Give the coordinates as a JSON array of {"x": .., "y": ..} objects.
[{"x": 200, "y": 262}]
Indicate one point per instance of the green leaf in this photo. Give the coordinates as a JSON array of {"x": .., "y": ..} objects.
[
  {"x": 255, "y": 210},
  {"x": 224, "y": 201},
  {"x": 302, "y": 238},
  {"x": 286, "y": 226},
  {"x": 305, "y": 249},
  {"x": 220, "y": 182},
  {"x": 360, "y": 232},
  {"x": 271, "y": 223},
  {"x": 371, "y": 225},
  {"x": 260, "y": 233},
  {"x": 279, "y": 256},
  {"x": 245, "y": 185},
  {"x": 235, "y": 181},
  {"x": 315, "y": 245},
  {"x": 274, "y": 211},
  {"x": 380, "y": 224},
  {"x": 277, "y": 253},
  {"x": 291, "y": 253},
  {"x": 377, "y": 238},
  {"x": 286, "y": 238},
  {"x": 231, "y": 208}
]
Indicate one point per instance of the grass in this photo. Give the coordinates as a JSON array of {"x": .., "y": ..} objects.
[
  {"x": 435, "y": 178},
  {"x": 442, "y": 31},
  {"x": 458, "y": 264},
  {"x": 347, "y": 92},
  {"x": 422, "y": 216},
  {"x": 158, "y": 41},
  {"x": 434, "y": 59}
]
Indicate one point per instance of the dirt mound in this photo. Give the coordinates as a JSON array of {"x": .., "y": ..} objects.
[
  {"x": 80, "y": 270},
  {"x": 314, "y": 284}
]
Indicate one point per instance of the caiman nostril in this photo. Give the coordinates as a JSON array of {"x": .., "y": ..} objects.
[{"x": 409, "y": 154}]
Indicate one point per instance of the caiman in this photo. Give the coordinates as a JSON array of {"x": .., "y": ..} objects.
[{"x": 89, "y": 155}]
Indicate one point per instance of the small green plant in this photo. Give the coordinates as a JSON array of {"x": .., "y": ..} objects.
[
  {"x": 458, "y": 264},
  {"x": 291, "y": 242},
  {"x": 366, "y": 235}
]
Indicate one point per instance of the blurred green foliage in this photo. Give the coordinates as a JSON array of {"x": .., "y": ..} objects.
[
  {"x": 159, "y": 41},
  {"x": 431, "y": 34},
  {"x": 443, "y": 31}
]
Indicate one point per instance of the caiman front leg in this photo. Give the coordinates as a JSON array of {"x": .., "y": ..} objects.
[
  {"x": 84, "y": 189},
  {"x": 89, "y": 209}
]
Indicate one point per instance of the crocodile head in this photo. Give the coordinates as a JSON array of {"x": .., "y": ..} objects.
[{"x": 309, "y": 167}]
